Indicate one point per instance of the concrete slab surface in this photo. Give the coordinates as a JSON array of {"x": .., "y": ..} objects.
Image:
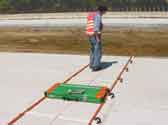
[{"x": 142, "y": 98}]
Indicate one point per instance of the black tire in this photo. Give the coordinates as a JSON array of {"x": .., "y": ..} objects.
[
  {"x": 112, "y": 95},
  {"x": 98, "y": 120}
]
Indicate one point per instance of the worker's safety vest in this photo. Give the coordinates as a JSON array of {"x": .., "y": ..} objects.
[{"x": 90, "y": 23}]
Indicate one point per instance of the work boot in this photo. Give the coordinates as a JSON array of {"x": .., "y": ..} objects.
[{"x": 96, "y": 69}]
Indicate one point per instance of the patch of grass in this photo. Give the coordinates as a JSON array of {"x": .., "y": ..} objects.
[{"x": 116, "y": 41}]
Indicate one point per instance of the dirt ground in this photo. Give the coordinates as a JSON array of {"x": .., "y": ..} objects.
[{"x": 116, "y": 41}]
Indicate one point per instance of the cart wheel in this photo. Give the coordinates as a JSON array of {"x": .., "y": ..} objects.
[
  {"x": 112, "y": 95},
  {"x": 98, "y": 120}
]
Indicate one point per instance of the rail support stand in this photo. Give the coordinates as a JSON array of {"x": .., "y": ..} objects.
[
  {"x": 121, "y": 80},
  {"x": 131, "y": 61},
  {"x": 127, "y": 70}
]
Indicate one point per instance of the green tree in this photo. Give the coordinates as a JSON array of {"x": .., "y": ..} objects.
[
  {"x": 4, "y": 5},
  {"x": 80, "y": 5}
]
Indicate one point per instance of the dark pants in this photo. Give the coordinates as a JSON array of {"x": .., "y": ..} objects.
[{"x": 95, "y": 53}]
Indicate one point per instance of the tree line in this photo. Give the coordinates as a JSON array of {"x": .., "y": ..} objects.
[{"x": 23, "y": 6}]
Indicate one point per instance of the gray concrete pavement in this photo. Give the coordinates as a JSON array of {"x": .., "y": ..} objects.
[{"x": 141, "y": 99}]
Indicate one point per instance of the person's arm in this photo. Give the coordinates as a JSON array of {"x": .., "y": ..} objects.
[{"x": 97, "y": 24}]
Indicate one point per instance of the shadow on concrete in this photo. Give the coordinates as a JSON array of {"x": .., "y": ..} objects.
[{"x": 105, "y": 65}]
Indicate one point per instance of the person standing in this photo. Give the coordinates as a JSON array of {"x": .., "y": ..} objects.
[{"x": 94, "y": 28}]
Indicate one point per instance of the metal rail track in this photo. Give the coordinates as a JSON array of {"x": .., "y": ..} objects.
[
  {"x": 119, "y": 78},
  {"x": 36, "y": 103},
  {"x": 94, "y": 116}
]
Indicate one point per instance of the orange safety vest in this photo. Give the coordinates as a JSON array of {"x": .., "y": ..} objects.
[{"x": 90, "y": 23}]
